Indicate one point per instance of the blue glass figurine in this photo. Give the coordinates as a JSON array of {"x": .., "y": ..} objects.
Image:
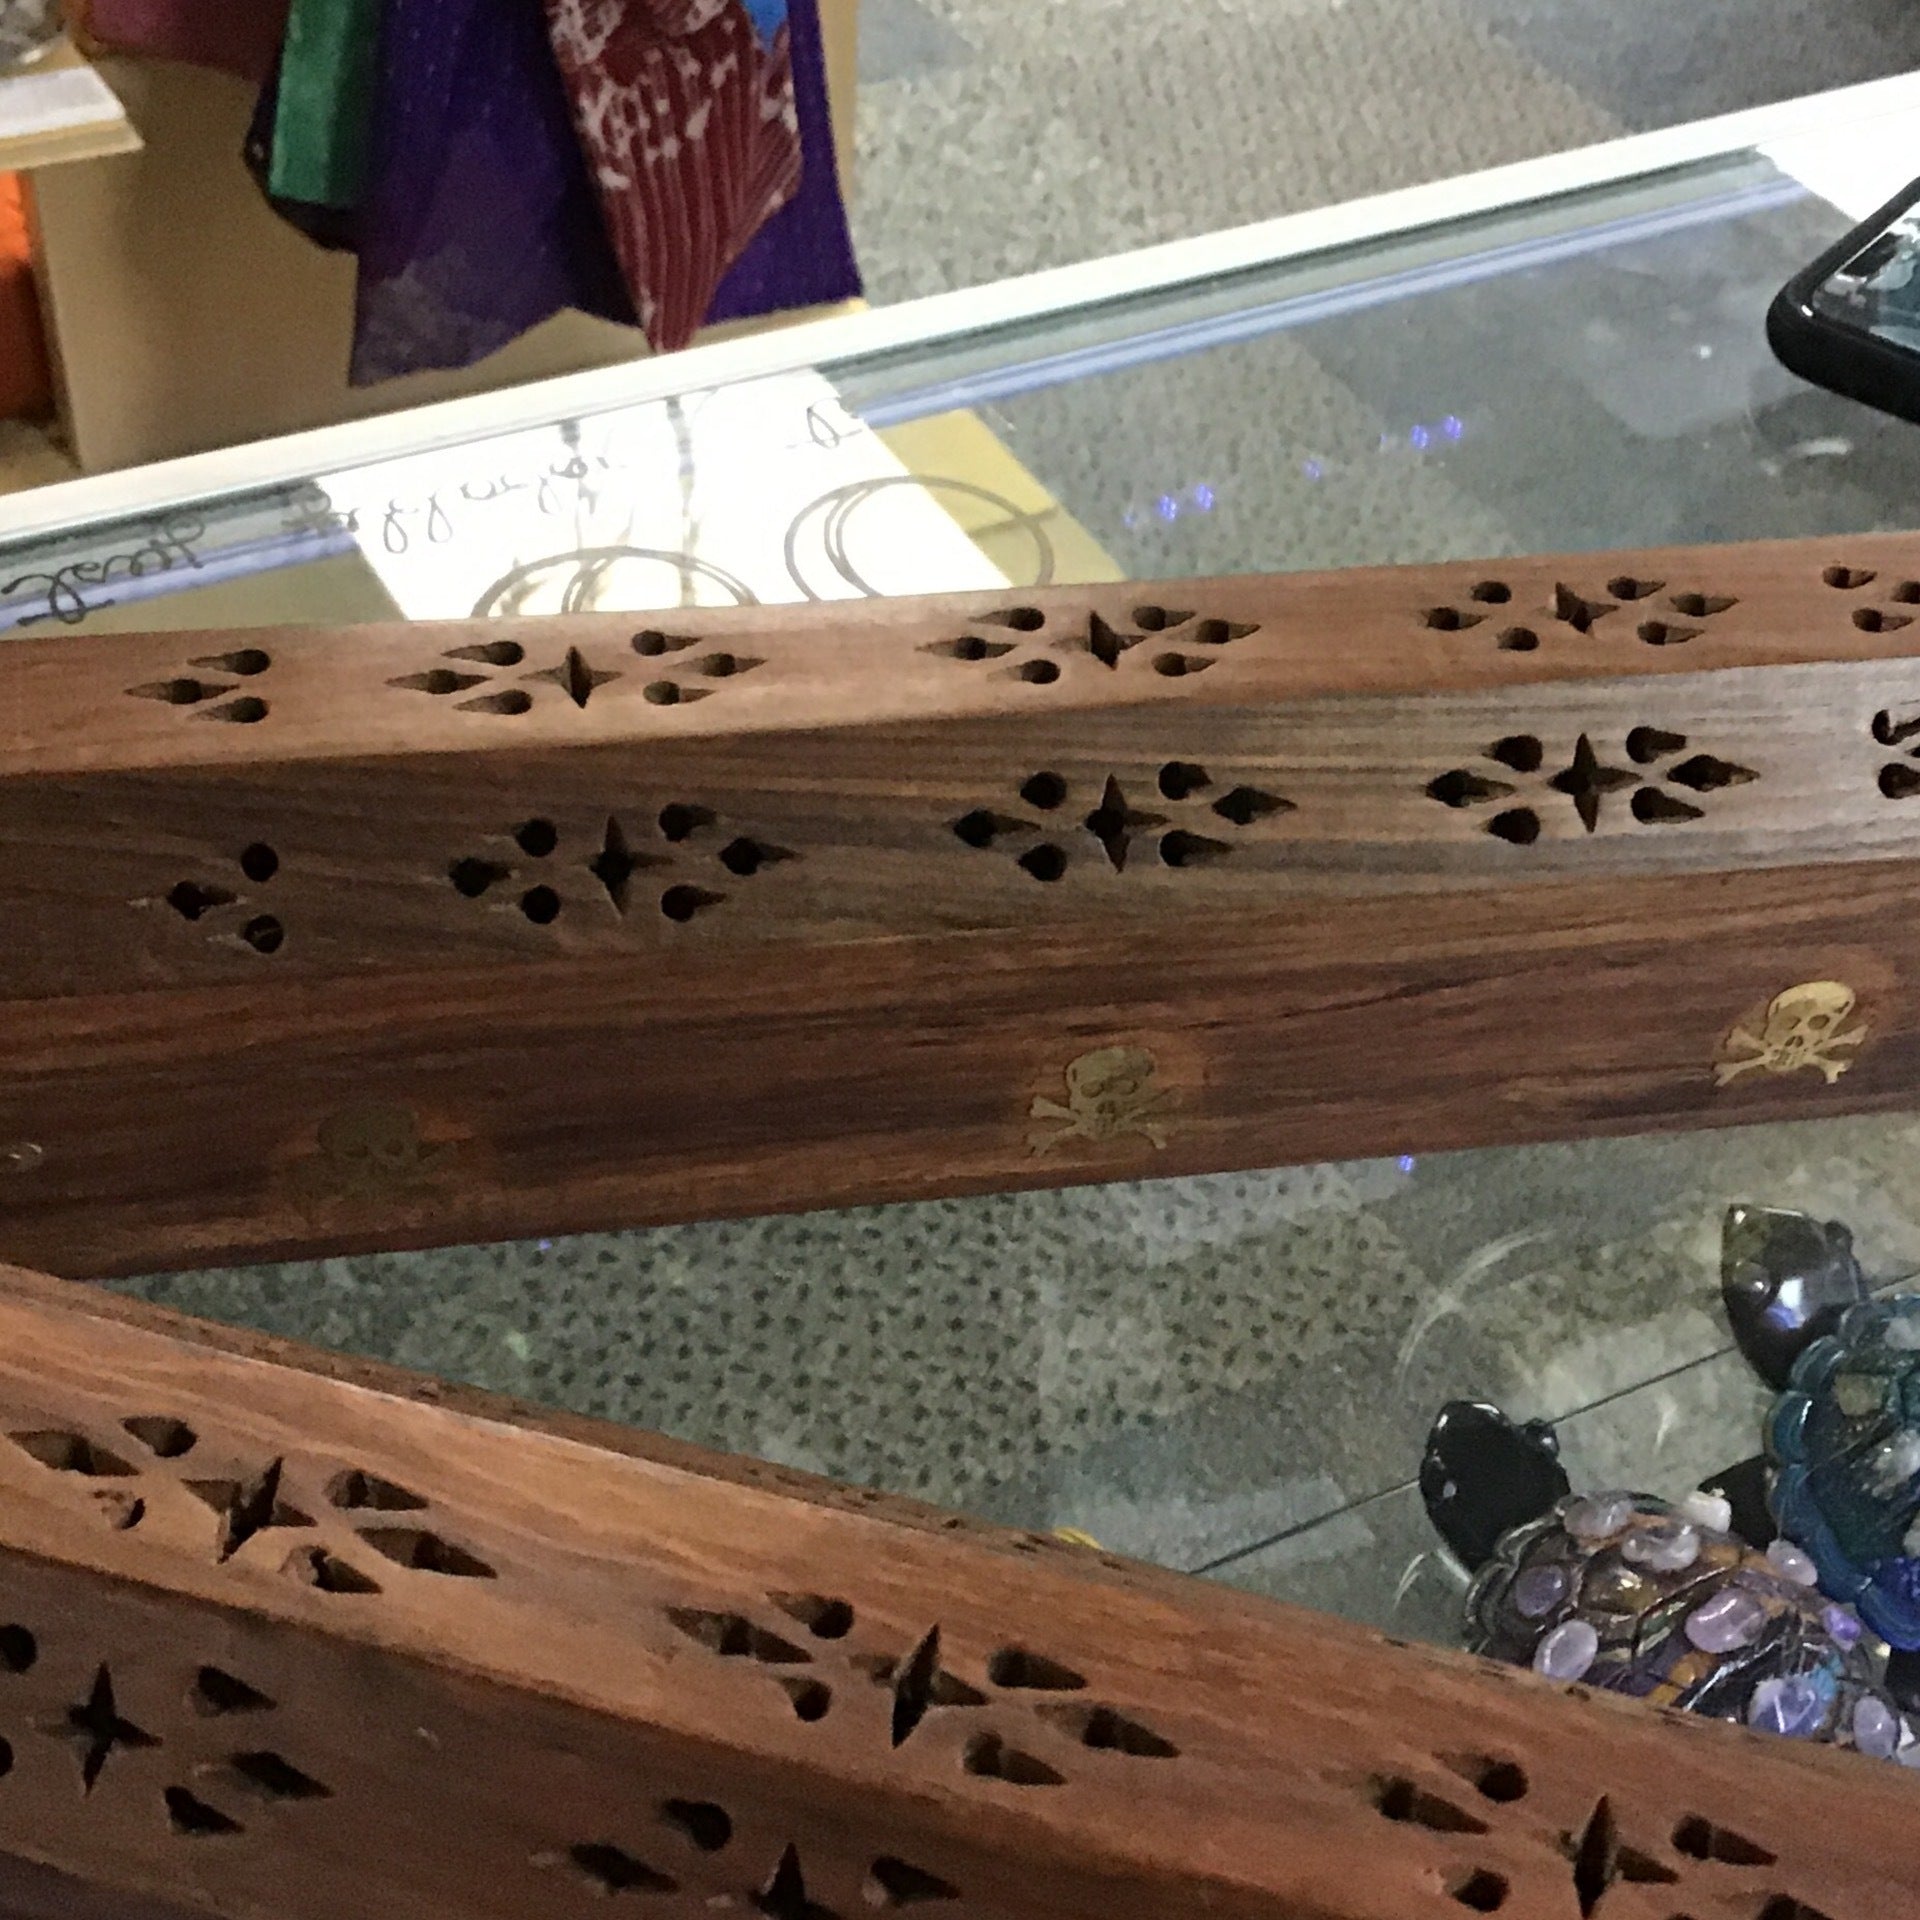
[{"x": 1845, "y": 1441}]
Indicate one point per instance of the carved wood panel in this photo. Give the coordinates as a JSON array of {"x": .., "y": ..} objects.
[
  {"x": 118, "y": 880},
  {"x": 526, "y": 683}
]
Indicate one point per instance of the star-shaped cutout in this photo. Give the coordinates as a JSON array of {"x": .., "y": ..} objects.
[
  {"x": 785, "y": 1896},
  {"x": 98, "y": 1728},
  {"x": 575, "y": 677},
  {"x": 1586, "y": 782},
  {"x": 617, "y": 862},
  {"x": 1116, "y": 822},
  {"x": 247, "y": 1507},
  {"x": 1107, "y": 643},
  {"x": 1602, "y": 1859}
]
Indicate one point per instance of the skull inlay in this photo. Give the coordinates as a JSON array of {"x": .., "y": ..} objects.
[
  {"x": 1806, "y": 1026},
  {"x": 372, "y": 1152},
  {"x": 1110, "y": 1093}
]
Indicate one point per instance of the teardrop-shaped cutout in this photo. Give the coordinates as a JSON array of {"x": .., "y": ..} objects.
[
  {"x": 1652, "y": 808},
  {"x": 1645, "y": 745},
  {"x": 1705, "y": 774},
  {"x": 1464, "y": 788}
]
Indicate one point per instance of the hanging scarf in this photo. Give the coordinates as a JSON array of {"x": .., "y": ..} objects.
[
  {"x": 334, "y": 227},
  {"x": 479, "y": 220},
  {"x": 686, "y": 110},
  {"x": 325, "y": 97},
  {"x": 803, "y": 256}
]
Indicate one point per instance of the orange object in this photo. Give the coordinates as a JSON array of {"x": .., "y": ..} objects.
[{"x": 26, "y": 379}]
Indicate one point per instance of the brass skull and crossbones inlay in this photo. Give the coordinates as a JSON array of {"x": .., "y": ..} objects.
[
  {"x": 1110, "y": 1095},
  {"x": 372, "y": 1152},
  {"x": 1806, "y": 1026}
]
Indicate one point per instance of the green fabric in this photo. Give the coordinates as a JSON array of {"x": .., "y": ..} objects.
[{"x": 323, "y": 119}]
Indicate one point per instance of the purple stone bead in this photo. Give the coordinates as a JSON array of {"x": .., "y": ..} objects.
[
  {"x": 1568, "y": 1651},
  {"x": 1662, "y": 1549},
  {"x": 1876, "y": 1727},
  {"x": 1843, "y": 1623},
  {"x": 1730, "y": 1619},
  {"x": 1597, "y": 1516},
  {"x": 1791, "y": 1706},
  {"x": 1538, "y": 1590},
  {"x": 1791, "y": 1564}
]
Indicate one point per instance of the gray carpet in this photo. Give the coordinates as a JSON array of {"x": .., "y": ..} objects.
[
  {"x": 1001, "y": 136},
  {"x": 1230, "y": 1374}
]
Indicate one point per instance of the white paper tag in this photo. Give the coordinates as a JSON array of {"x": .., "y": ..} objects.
[{"x": 39, "y": 103}]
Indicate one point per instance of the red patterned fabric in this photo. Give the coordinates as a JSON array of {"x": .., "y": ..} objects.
[{"x": 689, "y": 125}]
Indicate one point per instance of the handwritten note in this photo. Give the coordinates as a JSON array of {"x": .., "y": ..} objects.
[
  {"x": 770, "y": 490},
  {"x": 709, "y": 498},
  {"x": 75, "y": 582}
]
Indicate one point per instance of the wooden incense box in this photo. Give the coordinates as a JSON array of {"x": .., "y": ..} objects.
[
  {"x": 290, "y": 1638},
  {"x": 398, "y": 935}
]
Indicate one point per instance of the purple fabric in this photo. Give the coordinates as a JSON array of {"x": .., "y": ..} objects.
[
  {"x": 803, "y": 256},
  {"x": 480, "y": 220}
]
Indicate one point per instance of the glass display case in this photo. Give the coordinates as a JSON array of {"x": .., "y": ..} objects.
[{"x": 1230, "y": 1374}]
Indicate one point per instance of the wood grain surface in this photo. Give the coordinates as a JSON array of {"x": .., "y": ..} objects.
[
  {"x": 283, "y": 1640},
  {"x": 387, "y": 936}
]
